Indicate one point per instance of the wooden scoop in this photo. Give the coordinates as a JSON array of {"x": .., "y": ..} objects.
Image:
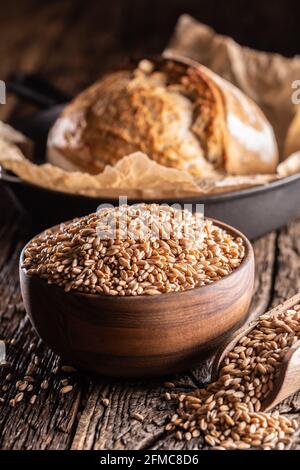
[{"x": 288, "y": 381}]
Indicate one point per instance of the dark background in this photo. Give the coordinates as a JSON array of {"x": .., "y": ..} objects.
[
  {"x": 264, "y": 24},
  {"x": 96, "y": 34}
]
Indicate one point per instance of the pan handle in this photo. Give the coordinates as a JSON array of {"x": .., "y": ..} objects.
[
  {"x": 36, "y": 90},
  {"x": 6, "y": 177}
]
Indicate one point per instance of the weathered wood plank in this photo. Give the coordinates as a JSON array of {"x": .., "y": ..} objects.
[
  {"x": 49, "y": 422},
  {"x": 264, "y": 250},
  {"x": 113, "y": 427},
  {"x": 287, "y": 283},
  {"x": 287, "y": 267}
]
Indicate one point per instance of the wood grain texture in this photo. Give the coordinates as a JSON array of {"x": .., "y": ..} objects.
[
  {"x": 264, "y": 252},
  {"x": 27, "y": 426},
  {"x": 76, "y": 53},
  {"x": 287, "y": 267},
  {"x": 287, "y": 283}
]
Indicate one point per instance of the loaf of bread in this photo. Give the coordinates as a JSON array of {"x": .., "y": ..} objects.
[{"x": 176, "y": 111}]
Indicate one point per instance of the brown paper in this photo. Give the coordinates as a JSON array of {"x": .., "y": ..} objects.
[
  {"x": 135, "y": 175},
  {"x": 292, "y": 143},
  {"x": 289, "y": 166},
  {"x": 9, "y": 134},
  {"x": 265, "y": 77}
]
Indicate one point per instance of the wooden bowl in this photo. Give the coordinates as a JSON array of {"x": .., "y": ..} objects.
[{"x": 140, "y": 336}]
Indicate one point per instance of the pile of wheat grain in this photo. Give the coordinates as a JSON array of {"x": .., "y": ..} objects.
[
  {"x": 134, "y": 250},
  {"x": 227, "y": 413}
]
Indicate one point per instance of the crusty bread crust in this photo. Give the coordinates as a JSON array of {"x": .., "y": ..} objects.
[{"x": 179, "y": 113}]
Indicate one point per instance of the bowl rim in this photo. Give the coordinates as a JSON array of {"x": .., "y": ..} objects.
[
  {"x": 6, "y": 177},
  {"x": 248, "y": 258}
]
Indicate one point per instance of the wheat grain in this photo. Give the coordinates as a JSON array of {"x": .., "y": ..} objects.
[
  {"x": 228, "y": 412},
  {"x": 195, "y": 253},
  {"x": 66, "y": 389},
  {"x": 137, "y": 416},
  {"x": 105, "y": 402}
]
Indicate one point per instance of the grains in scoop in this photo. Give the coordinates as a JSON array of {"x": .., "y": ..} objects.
[
  {"x": 91, "y": 255},
  {"x": 227, "y": 413}
]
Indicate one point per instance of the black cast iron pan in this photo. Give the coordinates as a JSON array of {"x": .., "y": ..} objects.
[{"x": 254, "y": 211}]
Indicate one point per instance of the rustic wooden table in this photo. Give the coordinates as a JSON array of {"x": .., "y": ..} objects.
[{"x": 56, "y": 40}]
